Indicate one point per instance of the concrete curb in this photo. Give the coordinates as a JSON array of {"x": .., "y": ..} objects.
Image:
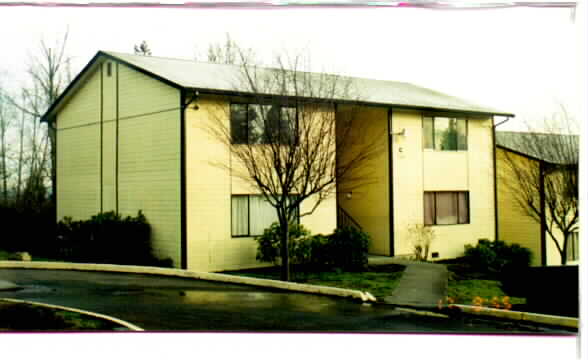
[
  {"x": 312, "y": 289},
  {"x": 120, "y": 322},
  {"x": 553, "y": 320}
]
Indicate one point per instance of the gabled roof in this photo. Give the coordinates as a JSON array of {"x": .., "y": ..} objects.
[
  {"x": 552, "y": 148},
  {"x": 221, "y": 78}
]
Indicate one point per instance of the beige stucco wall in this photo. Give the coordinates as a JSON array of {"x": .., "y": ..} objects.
[
  {"x": 416, "y": 170},
  {"x": 148, "y": 153},
  {"x": 419, "y": 170},
  {"x": 209, "y": 186},
  {"x": 368, "y": 204}
]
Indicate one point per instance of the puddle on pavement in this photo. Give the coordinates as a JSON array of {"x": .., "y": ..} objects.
[
  {"x": 259, "y": 300},
  {"x": 35, "y": 289}
]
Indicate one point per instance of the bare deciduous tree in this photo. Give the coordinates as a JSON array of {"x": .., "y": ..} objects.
[
  {"x": 142, "y": 49},
  {"x": 284, "y": 141},
  {"x": 547, "y": 189},
  {"x": 6, "y": 120},
  {"x": 50, "y": 73},
  {"x": 228, "y": 52}
]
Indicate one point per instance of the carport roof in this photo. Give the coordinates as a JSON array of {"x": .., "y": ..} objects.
[{"x": 562, "y": 149}]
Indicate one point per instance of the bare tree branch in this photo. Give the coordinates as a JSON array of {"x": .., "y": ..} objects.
[
  {"x": 554, "y": 173},
  {"x": 286, "y": 145}
]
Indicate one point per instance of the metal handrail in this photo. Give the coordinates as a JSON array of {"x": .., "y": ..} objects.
[{"x": 344, "y": 219}]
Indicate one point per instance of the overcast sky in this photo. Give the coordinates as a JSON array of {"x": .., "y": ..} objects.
[{"x": 520, "y": 60}]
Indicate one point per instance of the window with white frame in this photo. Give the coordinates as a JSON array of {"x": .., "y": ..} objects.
[
  {"x": 573, "y": 250},
  {"x": 445, "y": 133},
  {"x": 251, "y": 214},
  {"x": 446, "y": 207},
  {"x": 262, "y": 124}
]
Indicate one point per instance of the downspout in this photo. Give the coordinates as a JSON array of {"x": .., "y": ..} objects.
[
  {"x": 390, "y": 182},
  {"x": 185, "y": 101},
  {"x": 543, "y": 220},
  {"x": 495, "y": 177}
]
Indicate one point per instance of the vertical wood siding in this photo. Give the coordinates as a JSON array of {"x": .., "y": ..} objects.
[
  {"x": 78, "y": 153},
  {"x": 419, "y": 170},
  {"x": 148, "y": 153},
  {"x": 149, "y": 157}
]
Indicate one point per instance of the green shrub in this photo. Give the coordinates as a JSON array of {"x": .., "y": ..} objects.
[
  {"x": 268, "y": 244},
  {"x": 107, "y": 238},
  {"x": 347, "y": 249},
  {"x": 497, "y": 256},
  {"x": 29, "y": 229}
]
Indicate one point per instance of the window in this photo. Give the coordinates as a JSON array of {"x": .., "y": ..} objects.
[
  {"x": 262, "y": 124},
  {"x": 108, "y": 69},
  {"x": 251, "y": 214},
  {"x": 443, "y": 133},
  {"x": 573, "y": 251},
  {"x": 446, "y": 208}
]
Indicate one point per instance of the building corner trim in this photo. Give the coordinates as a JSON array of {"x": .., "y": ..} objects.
[
  {"x": 183, "y": 207},
  {"x": 101, "y": 139},
  {"x": 496, "y": 229},
  {"x": 116, "y": 146}
]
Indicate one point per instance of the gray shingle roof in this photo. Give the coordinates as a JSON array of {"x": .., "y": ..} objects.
[
  {"x": 552, "y": 148},
  {"x": 221, "y": 77}
]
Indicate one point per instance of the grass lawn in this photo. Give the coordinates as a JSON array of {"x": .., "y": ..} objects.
[
  {"x": 469, "y": 287},
  {"x": 25, "y": 317},
  {"x": 379, "y": 281}
]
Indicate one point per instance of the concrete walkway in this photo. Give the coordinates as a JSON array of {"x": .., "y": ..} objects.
[{"x": 422, "y": 284}]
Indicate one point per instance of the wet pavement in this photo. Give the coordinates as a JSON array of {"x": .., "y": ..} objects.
[{"x": 167, "y": 303}]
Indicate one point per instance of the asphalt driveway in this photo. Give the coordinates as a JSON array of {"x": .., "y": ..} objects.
[{"x": 168, "y": 303}]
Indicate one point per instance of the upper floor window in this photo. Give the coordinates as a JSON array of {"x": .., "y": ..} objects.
[
  {"x": 444, "y": 133},
  {"x": 262, "y": 124}
]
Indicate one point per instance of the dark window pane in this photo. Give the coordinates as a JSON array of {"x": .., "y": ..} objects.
[
  {"x": 239, "y": 123},
  {"x": 429, "y": 207},
  {"x": 428, "y": 133},
  {"x": 288, "y": 125},
  {"x": 257, "y": 114},
  {"x": 446, "y": 208},
  {"x": 464, "y": 214},
  {"x": 462, "y": 134},
  {"x": 262, "y": 124},
  {"x": 271, "y": 131}
]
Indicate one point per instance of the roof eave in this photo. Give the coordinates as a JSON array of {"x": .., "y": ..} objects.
[
  {"x": 49, "y": 113},
  {"x": 358, "y": 102}
]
